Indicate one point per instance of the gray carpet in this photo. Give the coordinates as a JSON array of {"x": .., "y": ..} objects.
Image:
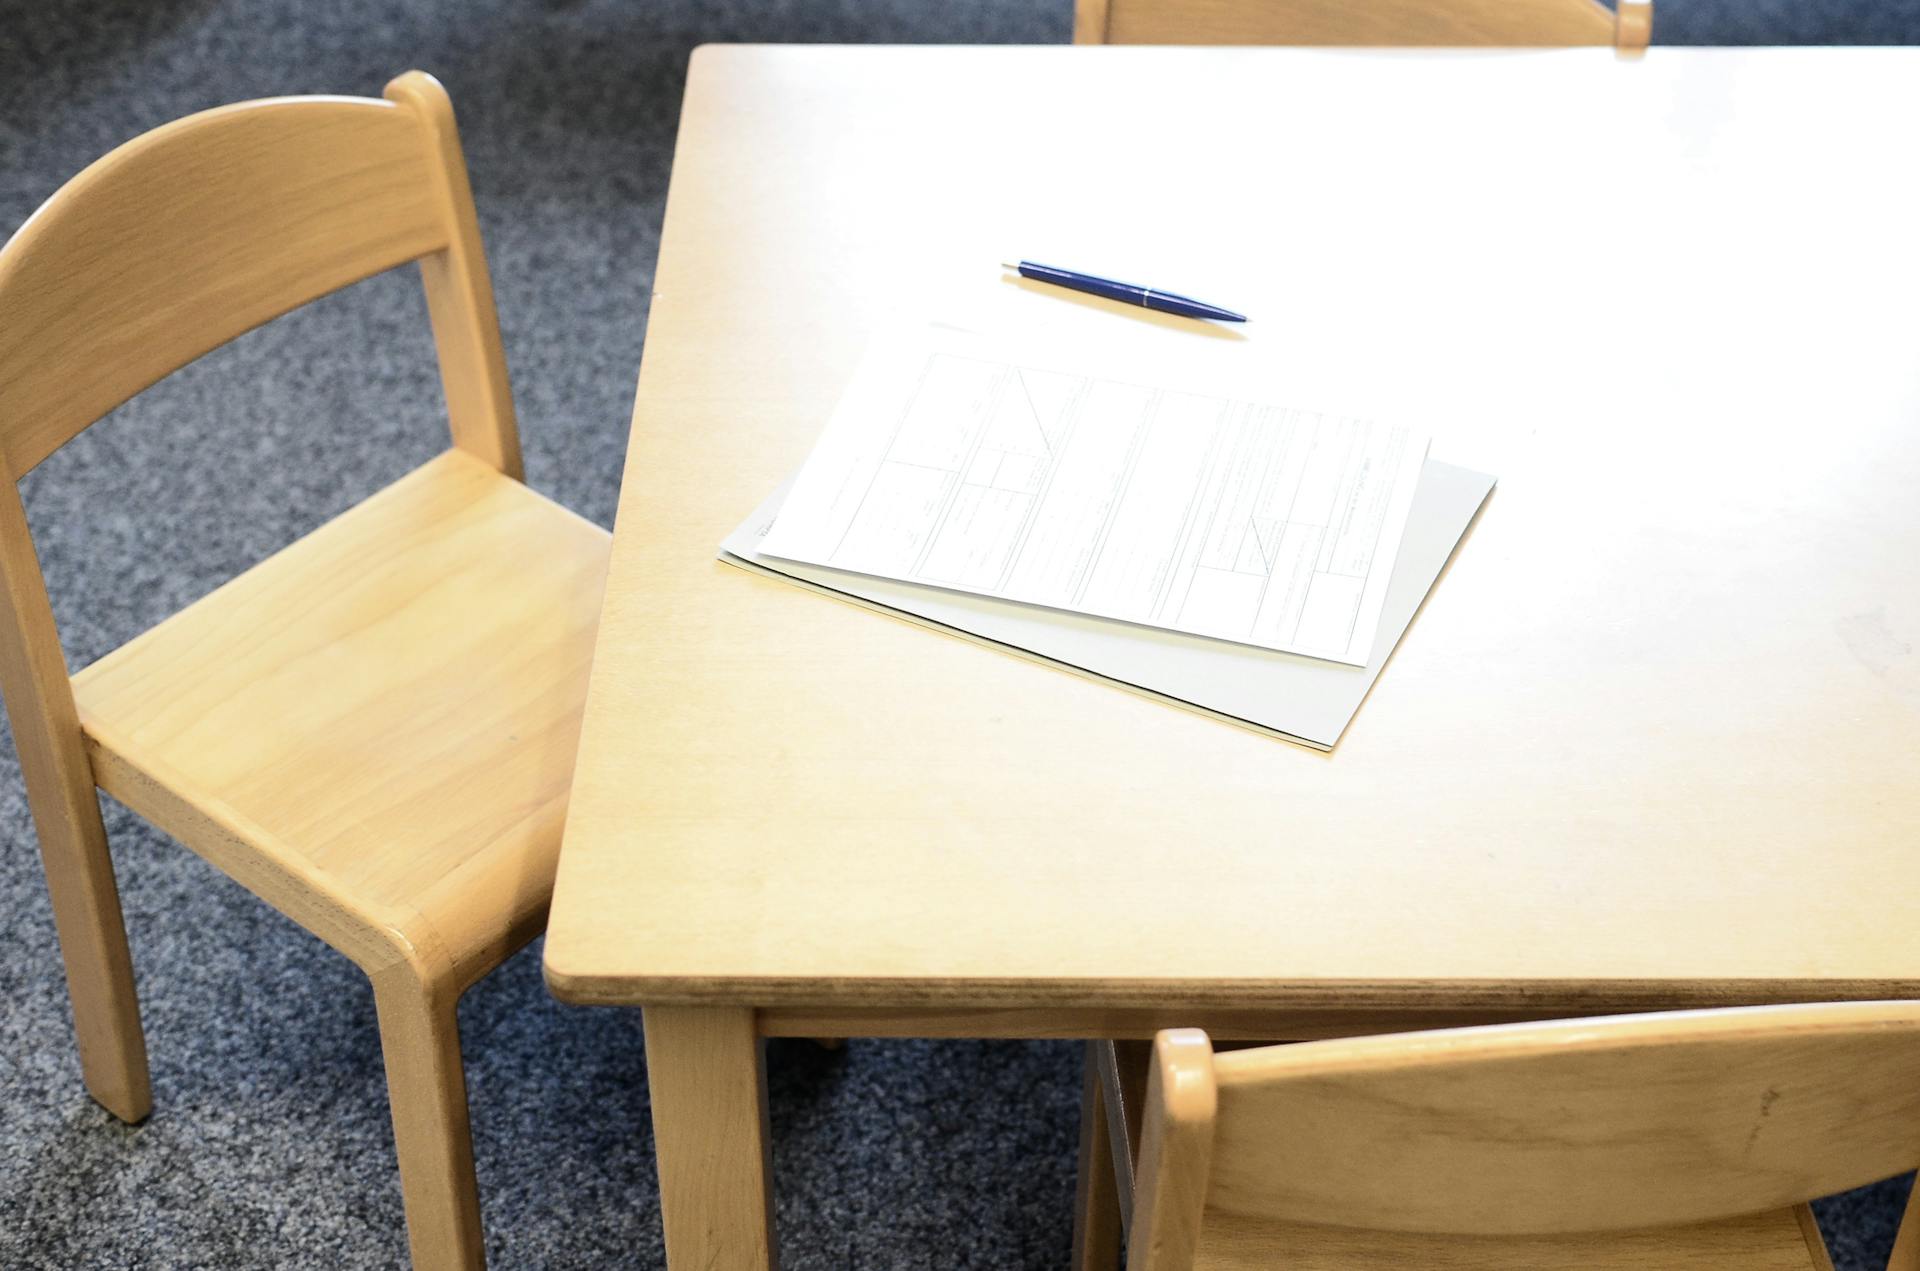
[{"x": 269, "y": 1144}]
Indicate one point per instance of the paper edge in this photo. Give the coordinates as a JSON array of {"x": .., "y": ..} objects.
[{"x": 973, "y": 637}]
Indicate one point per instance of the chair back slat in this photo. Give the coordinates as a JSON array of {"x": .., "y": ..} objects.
[
  {"x": 1572, "y": 1126},
  {"x": 190, "y": 235},
  {"x": 1774, "y": 1240},
  {"x": 1552, "y": 23}
]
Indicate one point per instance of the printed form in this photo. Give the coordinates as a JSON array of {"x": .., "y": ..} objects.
[{"x": 1049, "y": 479}]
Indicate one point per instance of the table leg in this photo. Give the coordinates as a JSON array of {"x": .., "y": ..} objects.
[
  {"x": 1906, "y": 1242},
  {"x": 1096, "y": 1201},
  {"x": 708, "y": 1082}
]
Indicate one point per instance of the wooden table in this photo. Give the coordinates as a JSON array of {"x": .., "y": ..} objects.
[{"x": 1653, "y": 742}]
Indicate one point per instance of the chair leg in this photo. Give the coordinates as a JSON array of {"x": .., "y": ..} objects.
[
  {"x": 1906, "y": 1242},
  {"x": 66, "y": 818},
  {"x": 93, "y": 944},
  {"x": 427, "y": 1091},
  {"x": 1096, "y": 1201}
]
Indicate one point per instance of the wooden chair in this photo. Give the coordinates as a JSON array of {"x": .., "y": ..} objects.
[
  {"x": 372, "y": 730},
  {"x": 1686, "y": 1140},
  {"x": 1365, "y": 22}
]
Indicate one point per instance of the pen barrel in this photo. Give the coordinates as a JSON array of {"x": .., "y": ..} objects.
[
  {"x": 1166, "y": 303},
  {"x": 1127, "y": 293},
  {"x": 1122, "y": 291}
]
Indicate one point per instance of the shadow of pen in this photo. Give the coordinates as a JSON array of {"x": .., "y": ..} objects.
[{"x": 1133, "y": 313}]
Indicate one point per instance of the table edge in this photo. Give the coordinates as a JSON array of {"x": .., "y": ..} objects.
[{"x": 1575, "y": 995}]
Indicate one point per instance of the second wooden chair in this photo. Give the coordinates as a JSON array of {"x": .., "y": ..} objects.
[{"x": 1677, "y": 1141}]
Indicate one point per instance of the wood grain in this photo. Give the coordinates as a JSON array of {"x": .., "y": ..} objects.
[
  {"x": 1906, "y": 1245},
  {"x": 706, "y": 1080},
  {"x": 1097, "y": 1215},
  {"x": 427, "y": 1091},
  {"x": 1358, "y": 22},
  {"x": 373, "y": 730},
  {"x": 1176, "y": 1153},
  {"x": 1645, "y": 745},
  {"x": 1294, "y": 1013},
  {"x": 466, "y": 331},
  {"x": 1769, "y": 1241},
  {"x": 66, "y": 818},
  {"x": 191, "y": 234},
  {"x": 1679, "y": 1140},
  {"x": 1590, "y": 1125},
  {"x": 412, "y": 672},
  {"x": 1633, "y": 26},
  {"x": 1090, "y": 21}
]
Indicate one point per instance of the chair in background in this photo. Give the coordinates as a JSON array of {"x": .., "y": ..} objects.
[
  {"x": 373, "y": 730},
  {"x": 1364, "y": 22},
  {"x": 1685, "y": 1140}
]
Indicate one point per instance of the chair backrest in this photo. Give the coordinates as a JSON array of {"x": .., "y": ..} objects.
[
  {"x": 1526, "y": 1132},
  {"x": 163, "y": 250},
  {"x": 202, "y": 229},
  {"x": 1364, "y": 22}
]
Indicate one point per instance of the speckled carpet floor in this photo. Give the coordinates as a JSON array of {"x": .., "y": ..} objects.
[{"x": 269, "y": 1144}]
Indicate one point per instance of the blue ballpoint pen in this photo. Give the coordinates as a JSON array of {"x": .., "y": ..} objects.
[{"x": 1145, "y": 297}]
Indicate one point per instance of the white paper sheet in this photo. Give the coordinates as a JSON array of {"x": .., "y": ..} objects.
[
  {"x": 1301, "y": 699},
  {"x": 1044, "y": 473}
]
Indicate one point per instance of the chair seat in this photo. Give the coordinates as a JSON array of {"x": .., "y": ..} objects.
[
  {"x": 1776, "y": 1240},
  {"x": 374, "y": 729}
]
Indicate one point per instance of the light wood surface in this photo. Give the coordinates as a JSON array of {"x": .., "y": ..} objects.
[
  {"x": 1361, "y": 22},
  {"x": 1649, "y": 742},
  {"x": 66, "y": 819},
  {"x": 1097, "y": 1227},
  {"x": 412, "y": 672},
  {"x": 1633, "y": 26},
  {"x": 1589, "y": 1125},
  {"x": 1682, "y": 1140},
  {"x": 420, "y": 1043},
  {"x": 1090, "y": 21},
  {"x": 1169, "y": 1197},
  {"x": 1906, "y": 1245},
  {"x": 707, "y": 1087},
  {"x": 374, "y": 729},
  {"x": 1336, "y": 1010},
  {"x": 240, "y": 214},
  {"x": 466, "y": 331},
  {"x": 1775, "y": 1240}
]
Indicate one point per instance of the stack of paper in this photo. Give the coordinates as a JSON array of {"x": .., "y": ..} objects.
[{"x": 1251, "y": 560}]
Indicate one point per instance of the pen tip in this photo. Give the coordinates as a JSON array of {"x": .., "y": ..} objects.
[{"x": 1008, "y": 265}]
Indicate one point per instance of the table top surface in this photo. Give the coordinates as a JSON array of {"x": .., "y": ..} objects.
[{"x": 1657, "y": 726}]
